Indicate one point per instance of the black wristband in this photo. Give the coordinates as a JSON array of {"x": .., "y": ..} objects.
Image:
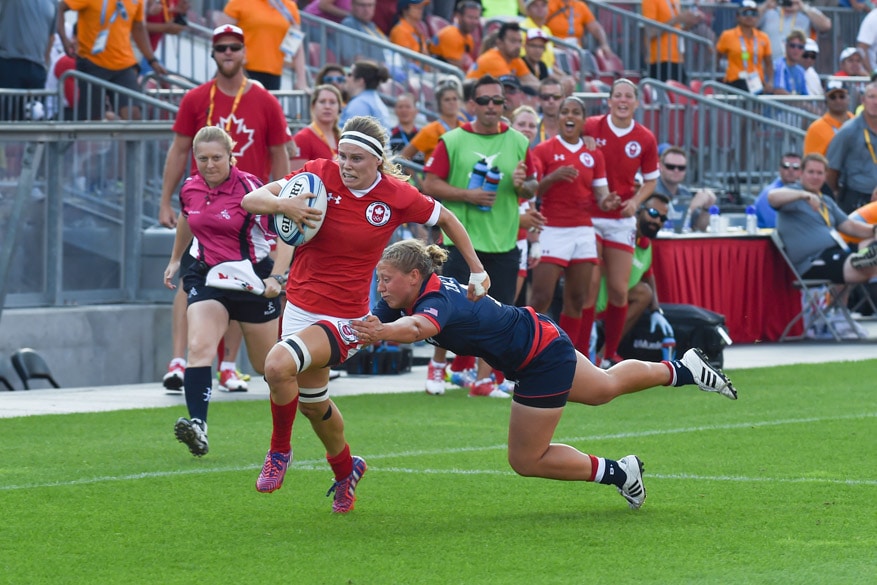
[{"x": 153, "y": 60}]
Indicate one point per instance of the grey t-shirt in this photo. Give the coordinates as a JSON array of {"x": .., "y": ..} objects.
[
  {"x": 26, "y": 26},
  {"x": 805, "y": 232},
  {"x": 849, "y": 154}
]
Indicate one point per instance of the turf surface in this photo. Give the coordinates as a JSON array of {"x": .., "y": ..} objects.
[{"x": 777, "y": 487}]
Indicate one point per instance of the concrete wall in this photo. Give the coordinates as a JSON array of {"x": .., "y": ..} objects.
[{"x": 94, "y": 345}]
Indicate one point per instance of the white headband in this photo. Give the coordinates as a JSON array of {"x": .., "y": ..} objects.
[{"x": 364, "y": 141}]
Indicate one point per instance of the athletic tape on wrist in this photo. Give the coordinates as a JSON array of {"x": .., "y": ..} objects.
[{"x": 477, "y": 279}]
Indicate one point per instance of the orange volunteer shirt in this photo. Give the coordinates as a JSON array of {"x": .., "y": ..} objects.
[
  {"x": 757, "y": 45},
  {"x": 264, "y": 30},
  {"x": 558, "y": 18},
  {"x": 494, "y": 63},
  {"x": 119, "y": 53}
]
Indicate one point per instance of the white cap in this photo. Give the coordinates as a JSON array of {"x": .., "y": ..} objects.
[
  {"x": 811, "y": 46},
  {"x": 834, "y": 85},
  {"x": 748, "y": 4},
  {"x": 847, "y": 53}
]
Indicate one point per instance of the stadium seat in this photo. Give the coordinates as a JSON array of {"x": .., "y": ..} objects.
[
  {"x": 435, "y": 23},
  {"x": 30, "y": 365},
  {"x": 8, "y": 377},
  {"x": 610, "y": 68}
]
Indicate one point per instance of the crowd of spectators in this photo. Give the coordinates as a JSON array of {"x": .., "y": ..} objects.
[{"x": 772, "y": 48}]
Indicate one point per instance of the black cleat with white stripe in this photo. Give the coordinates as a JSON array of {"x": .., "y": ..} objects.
[{"x": 709, "y": 378}]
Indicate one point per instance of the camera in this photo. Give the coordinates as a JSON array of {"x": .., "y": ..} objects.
[
  {"x": 786, "y": 3},
  {"x": 181, "y": 19}
]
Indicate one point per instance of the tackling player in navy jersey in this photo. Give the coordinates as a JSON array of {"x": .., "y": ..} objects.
[{"x": 530, "y": 349}]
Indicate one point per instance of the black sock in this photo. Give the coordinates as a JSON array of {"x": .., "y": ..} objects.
[
  {"x": 198, "y": 384},
  {"x": 612, "y": 474},
  {"x": 683, "y": 375}
]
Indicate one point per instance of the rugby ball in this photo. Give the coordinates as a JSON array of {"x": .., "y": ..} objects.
[{"x": 300, "y": 184}]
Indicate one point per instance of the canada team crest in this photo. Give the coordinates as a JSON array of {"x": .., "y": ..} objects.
[
  {"x": 587, "y": 160},
  {"x": 378, "y": 214},
  {"x": 632, "y": 149}
]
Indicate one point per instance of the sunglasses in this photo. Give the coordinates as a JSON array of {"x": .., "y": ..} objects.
[
  {"x": 235, "y": 48},
  {"x": 795, "y": 45},
  {"x": 795, "y": 166},
  {"x": 838, "y": 96},
  {"x": 483, "y": 100},
  {"x": 809, "y": 55},
  {"x": 748, "y": 13},
  {"x": 334, "y": 78},
  {"x": 547, "y": 97},
  {"x": 509, "y": 89},
  {"x": 670, "y": 167},
  {"x": 655, "y": 214}
]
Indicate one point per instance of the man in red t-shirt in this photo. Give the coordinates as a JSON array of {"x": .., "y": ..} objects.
[{"x": 251, "y": 115}]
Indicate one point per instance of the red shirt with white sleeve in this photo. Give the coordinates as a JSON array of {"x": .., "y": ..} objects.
[
  {"x": 630, "y": 149},
  {"x": 332, "y": 273},
  {"x": 570, "y": 204}
]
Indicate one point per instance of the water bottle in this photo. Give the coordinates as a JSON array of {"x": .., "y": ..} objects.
[
  {"x": 668, "y": 349},
  {"x": 592, "y": 347},
  {"x": 491, "y": 183},
  {"x": 751, "y": 220},
  {"x": 715, "y": 220},
  {"x": 479, "y": 171}
]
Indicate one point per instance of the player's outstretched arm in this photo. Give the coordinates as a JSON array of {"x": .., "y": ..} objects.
[{"x": 405, "y": 330}]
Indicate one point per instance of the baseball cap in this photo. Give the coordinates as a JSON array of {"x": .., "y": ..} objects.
[
  {"x": 811, "y": 46},
  {"x": 513, "y": 81},
  {"x": 834, "y": 85},
  {"x": 847, "y": 53},
  {"x": 747, "y": 5},
  {"x": 536, "y": 34},
  {"x": 228, "y": 29},
  {"x": 403, "y": 4}
]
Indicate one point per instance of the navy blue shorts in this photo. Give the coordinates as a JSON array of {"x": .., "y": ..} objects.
[
  {"x": 545, "y": 382},
  {"x": 241, "y": 306}
]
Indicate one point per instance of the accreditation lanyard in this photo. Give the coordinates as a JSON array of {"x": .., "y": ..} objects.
[
  {"x": 322, "y": 136},
  {"x": 823, "y": 211},
  {"x": 234, "y": 105},
  {"x": 870, "y": 148},
  {"x": 572, "y": 28},
  {"x": 744, "y": 52},
  {"x": 120, "y": 10},
  {"x": 280, "y": 7},
  {"x": 166, "y": 11}
]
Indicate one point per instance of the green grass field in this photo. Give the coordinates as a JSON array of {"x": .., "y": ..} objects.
[{"x": 778, "y": 487}]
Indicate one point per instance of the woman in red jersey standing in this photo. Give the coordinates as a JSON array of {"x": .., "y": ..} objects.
[
  {"x": 631, "y": 147},
  {"x": 573, "y": 183}
]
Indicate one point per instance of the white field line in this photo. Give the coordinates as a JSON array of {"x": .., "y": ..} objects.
[{"x": 320, "y": 464}]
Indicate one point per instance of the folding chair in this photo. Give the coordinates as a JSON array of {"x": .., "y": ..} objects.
[
  {"x": 813, "y": 294},
  {"x": 30, "y": 365}
]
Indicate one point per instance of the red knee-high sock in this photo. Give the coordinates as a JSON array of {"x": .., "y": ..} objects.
[
  {"x": 462, "y": 363},
  {"x": 342, "y": 463},
  {"x": 283, "y": 417},
  {"x": 614, "y": 323},
  {"x": 220, "y": 353},
  {"x": 498, "y": 376},
  {"x": 571, "y": 326},
  {"x": 584, "y": 344}
]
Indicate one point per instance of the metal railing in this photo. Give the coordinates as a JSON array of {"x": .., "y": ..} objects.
[
  {"x": 625, "y": 30},
  {"x": 410, "y": 71},
  {"x": 78, "y": 207},
  {"x": 730, "y": 148}
]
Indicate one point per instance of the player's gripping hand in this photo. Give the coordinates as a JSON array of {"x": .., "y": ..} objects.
[{"x": 479, "y": 283}]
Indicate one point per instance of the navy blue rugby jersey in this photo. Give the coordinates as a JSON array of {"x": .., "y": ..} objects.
[{"x": 503, "y": 335}]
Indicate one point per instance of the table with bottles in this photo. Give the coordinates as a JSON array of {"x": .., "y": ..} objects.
[{"x": 739, "y": 275}]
